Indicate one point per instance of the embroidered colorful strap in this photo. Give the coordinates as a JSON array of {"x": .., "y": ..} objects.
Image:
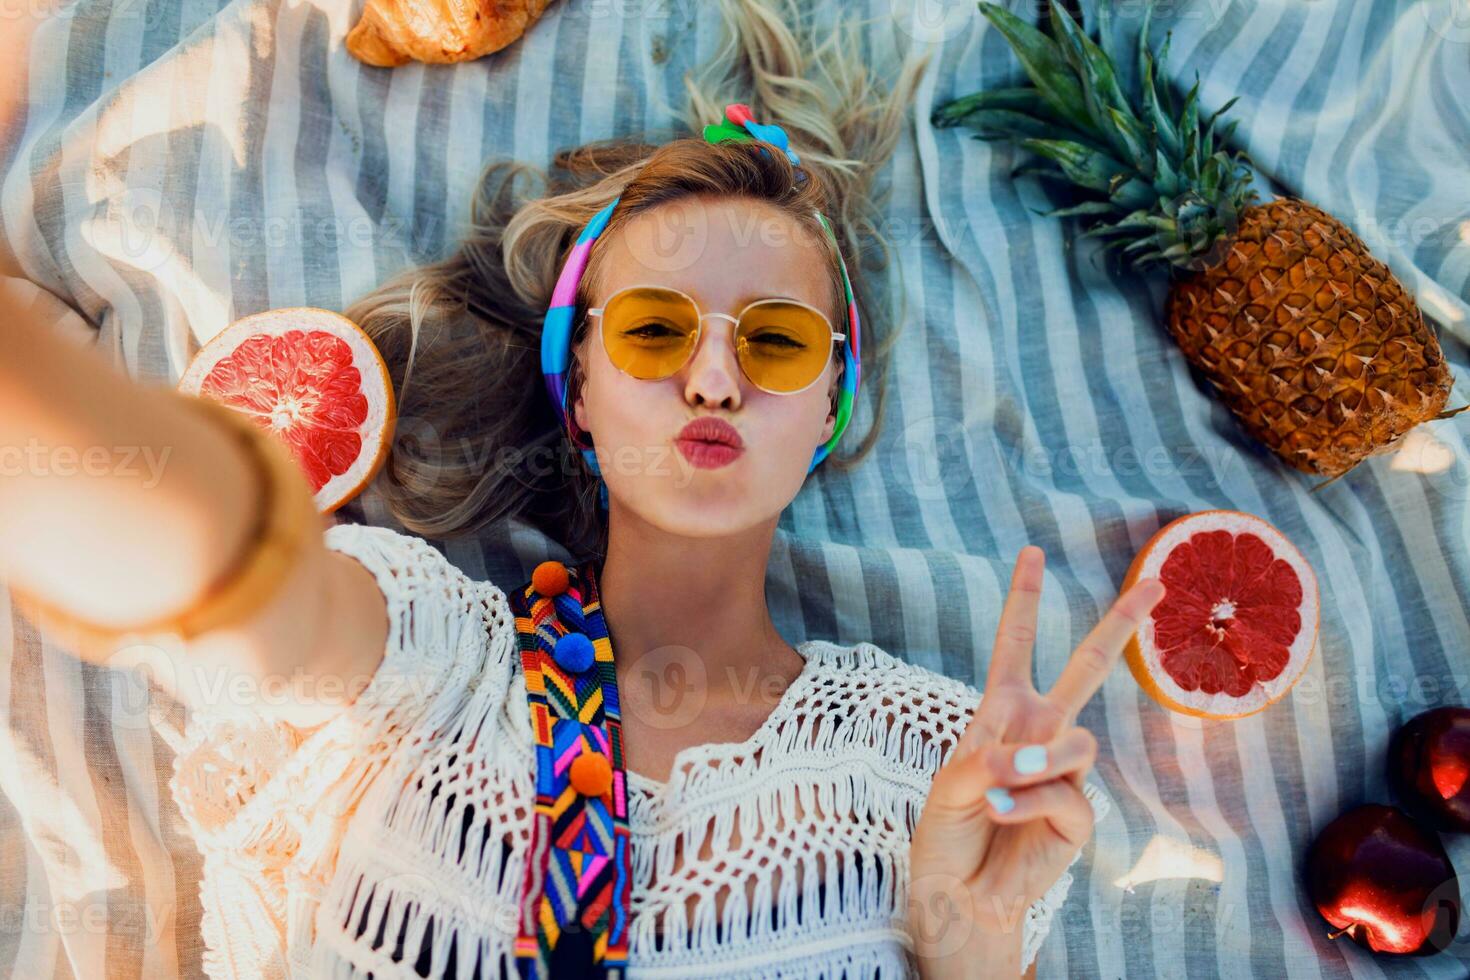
[{"x": 574, "y": 897}]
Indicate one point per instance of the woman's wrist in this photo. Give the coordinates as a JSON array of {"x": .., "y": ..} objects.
[{"x": 952, "y": 948}]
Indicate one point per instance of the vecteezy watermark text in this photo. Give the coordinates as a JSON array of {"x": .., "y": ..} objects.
[{"x": 37, "y": 458}]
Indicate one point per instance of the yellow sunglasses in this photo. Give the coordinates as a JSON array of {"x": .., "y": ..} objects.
[{"x": 651, "y": 332}]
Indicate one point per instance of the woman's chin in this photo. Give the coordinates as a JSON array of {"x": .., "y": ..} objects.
[{"x": 704, "y": 508}]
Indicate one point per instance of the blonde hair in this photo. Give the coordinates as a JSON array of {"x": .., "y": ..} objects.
[{"x": 462, "y": 336}]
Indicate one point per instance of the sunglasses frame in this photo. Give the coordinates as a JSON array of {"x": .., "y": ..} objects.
[{"x": 598, "y": 312}]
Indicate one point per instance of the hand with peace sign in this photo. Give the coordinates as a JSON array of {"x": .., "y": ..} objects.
[{"x": 1006, "y": 813}]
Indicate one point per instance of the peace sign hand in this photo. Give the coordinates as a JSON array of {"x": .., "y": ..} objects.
[{"x": 1006, "y": 813}]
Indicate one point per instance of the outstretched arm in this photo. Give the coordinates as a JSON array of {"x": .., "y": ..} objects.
[{"x": 120, "y": 504}]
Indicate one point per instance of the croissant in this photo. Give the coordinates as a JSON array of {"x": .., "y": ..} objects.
[{"x": 394, "y": 32}]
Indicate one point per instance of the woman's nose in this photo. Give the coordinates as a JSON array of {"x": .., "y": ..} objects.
[{"x": 713, "y": 372}]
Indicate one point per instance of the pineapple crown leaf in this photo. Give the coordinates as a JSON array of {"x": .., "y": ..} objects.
[
  {"x": 1086, "y": 207},
  {"x": 1004, "y": 124},
  {"x": 1154, "y": 178},
  {"x": 1042, "y": 60},
  {"x": 1026, "y": 100},
  {"x": 1156, "y": 108},
  {"x": 1083, "y": 165},
  {"x": 1093, "y": 67}
]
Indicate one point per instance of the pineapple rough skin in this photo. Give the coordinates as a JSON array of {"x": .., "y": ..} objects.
[{"x": 1310, "y": 340}]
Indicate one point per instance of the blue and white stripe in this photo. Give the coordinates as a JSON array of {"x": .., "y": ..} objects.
[{"x": 185, "y": 162}]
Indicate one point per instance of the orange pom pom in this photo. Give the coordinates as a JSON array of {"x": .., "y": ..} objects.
[
  {"x": 591, "y": 774},
  {"x": 550, "y": 578}
]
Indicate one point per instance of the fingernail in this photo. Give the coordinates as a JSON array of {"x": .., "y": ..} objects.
[
  {"x": 1000, "y": 798},
  {"x": 1031, "y": 760}
]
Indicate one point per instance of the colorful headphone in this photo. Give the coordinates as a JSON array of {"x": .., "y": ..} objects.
[{"x": 556, "y": 331}]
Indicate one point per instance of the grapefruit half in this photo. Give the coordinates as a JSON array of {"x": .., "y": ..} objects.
[
  {"x": 1238, "y": 623},
  {"x": 315, "y": 380}
]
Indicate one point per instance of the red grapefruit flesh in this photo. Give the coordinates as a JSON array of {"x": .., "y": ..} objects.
[
  {"x": 316, "y": 381},
  {"x": 1238, "y": 622}
]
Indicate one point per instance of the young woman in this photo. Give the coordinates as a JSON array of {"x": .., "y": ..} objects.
[{"x": 433, "y": 777}]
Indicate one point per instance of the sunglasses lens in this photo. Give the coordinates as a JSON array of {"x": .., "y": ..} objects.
[
  {"x": 783, "y": 346},
  {"x": 649, "y": 333}
]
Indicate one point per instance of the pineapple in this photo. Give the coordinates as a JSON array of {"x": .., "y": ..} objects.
[{"x": 1314, "y": 345}]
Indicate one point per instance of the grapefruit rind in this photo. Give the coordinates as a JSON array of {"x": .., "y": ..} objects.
[
  {"x": 377, "y": 387},
  {"x": 1143, "y": 655}
]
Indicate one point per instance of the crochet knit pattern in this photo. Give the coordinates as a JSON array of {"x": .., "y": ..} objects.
[{"x": 391, "y": 841}]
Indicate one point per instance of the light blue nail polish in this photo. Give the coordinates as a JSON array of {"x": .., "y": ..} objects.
[
  {"x": 1000, "y": 798},
  {"x": 1030, "y": 760}
]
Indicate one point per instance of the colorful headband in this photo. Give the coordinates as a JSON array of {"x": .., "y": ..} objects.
[{"x": 556, "y": 331}]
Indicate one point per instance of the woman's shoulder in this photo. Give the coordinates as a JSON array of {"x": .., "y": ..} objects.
[
  {"x": 402, "y": 563},
  {"x": 451, "y": 637},
  {"x": 411, "y": 571}
]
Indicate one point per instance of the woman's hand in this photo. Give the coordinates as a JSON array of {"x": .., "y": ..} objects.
[{"x": 1006, "y": 813}]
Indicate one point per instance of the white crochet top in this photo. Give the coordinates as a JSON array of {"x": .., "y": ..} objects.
[{"x": 390, "y": 840}]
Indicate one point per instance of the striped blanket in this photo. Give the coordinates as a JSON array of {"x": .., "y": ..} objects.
[{"x": 185, "y": 162}]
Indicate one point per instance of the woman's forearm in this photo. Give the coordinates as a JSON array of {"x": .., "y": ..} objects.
[{"x": 116, "y": 503}]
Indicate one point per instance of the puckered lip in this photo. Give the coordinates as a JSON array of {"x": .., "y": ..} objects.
[{"x": 707, "y": 428}]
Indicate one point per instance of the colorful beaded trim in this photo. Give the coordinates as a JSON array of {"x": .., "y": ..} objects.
[{"x": 574, "y": 898}]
